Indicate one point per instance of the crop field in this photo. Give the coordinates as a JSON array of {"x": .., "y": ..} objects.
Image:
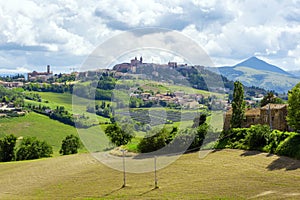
[{"x": 226, "y": 174}]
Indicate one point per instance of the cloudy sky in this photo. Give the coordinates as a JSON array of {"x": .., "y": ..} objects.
[{"x": 34, "y": 33}]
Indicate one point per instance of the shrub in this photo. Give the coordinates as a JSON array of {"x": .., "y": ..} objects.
[
  {"x": 70, "y": 145},
  {"x": 274, "y": 139},
  {"x": 32, "y": 148},
  {"x": 7, "y": 146},
  {"x": 154, "y": 140},
  {"x": 290, "y": 146},
  {"x": 257, "y": 136}
]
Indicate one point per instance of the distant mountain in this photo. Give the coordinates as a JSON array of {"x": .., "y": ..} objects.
[
  {"x": 295, "y": 73},
  {"x": 259, "y": 64},
  {"x": 256, "y": 72}
]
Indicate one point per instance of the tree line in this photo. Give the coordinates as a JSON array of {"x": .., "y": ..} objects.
[{"x": 33, "y": 148}]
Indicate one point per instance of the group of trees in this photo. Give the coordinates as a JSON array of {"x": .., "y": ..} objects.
[
  {"x": 104, "y": 109},
  {"x": 158, "y": 138},
  {"x": 33, "y": 148},
  {"x": 29, "y": 148},
  {"x": 45, "y": 87},
  {"x": 14, "y": 96}
]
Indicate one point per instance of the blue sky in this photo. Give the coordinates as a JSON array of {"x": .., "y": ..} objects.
[{"x": 34, "y": 33}]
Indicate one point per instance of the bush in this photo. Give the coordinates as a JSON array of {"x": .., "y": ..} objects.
[
  {"x": 274, "y": 139},
  {"x": 32, "y": 148},
  {"x": 290, "y": 146},
  {"x": 154, "y": 140},
  {"x": 257, "y": 136},
  {"x": 7, "y": 146},
  {"x": 70, "y": 145}
]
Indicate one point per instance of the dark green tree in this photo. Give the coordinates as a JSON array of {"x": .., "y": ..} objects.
[
  {"x": 270, "y": 98},
  {"x": 7, "y": 148},
  {"x": 32, "y": 148},
  {"x": 119, "y": 135},
  {"x": 238, "y": 105},
  {"x": 70, "y": 145},
  {"x": 293, "y": 115}
]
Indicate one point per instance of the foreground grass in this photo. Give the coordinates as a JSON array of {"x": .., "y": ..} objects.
[{"x": 227, "y": 174}]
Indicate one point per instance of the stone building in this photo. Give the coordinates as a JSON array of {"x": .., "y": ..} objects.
[
  {"x": 44, "y": 76},
  {"x": 270, "y": 114}
]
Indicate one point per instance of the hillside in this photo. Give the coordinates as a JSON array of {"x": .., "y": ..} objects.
[
  {"x": 227, "y": 174},
  {"x": 256, "y": 72}
]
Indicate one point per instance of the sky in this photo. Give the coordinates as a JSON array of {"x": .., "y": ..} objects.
[{"x": 35, "y": 33}]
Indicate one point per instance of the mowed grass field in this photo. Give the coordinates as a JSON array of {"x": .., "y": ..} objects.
[{"x": 226, "y": 174}]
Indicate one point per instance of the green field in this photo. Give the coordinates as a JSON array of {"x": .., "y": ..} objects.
[
  {"x": 52, "y": 131},
  {"x": 226, "y": 174},
  {"x": 65, "y": 99}
]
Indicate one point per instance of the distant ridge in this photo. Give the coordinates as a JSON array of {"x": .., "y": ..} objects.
[
  {"x": 258, "y": 64},
  {"x": 256, "y": 72}
]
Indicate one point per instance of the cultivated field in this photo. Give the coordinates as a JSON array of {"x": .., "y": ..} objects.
[{"x": 227, "y": 174}]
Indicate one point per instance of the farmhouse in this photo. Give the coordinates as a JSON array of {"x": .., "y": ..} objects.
[{"x": 270, "y": 114}]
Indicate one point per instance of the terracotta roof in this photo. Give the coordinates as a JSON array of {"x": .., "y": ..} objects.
[
  {"x": 274, "y": 106},
  {"x": 248, "y": 112}
]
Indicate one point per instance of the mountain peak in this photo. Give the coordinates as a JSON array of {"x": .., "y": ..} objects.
[{"x": 258, "y": 64}]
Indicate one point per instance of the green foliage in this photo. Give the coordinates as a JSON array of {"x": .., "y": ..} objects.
[
  {"x": 32, "y": 148},
  {"x": 290, "y": 147},
  {"x": 11, "y": 95},
  {"x": 257, "y": 137},
  {"x": 154, "y": 140},
  {"x": 119, "y": 135},
  {"x": 293, "y": 115},
  {"x": 260, "y": 137},
  {"x": 238, "y": 106},
  {"x": 70, "y": 145},
  {"x": 7, "y": 146},
  {"x": 274, "y": 139},
  {"x": 200, "y": 136},
  {"x": 270, "y": 98}
]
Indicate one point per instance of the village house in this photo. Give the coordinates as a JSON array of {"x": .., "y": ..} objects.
[
  {"x": 12, "y": 84},
  {"x": 271, "y": 114}
]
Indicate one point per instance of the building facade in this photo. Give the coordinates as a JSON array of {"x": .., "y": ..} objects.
[{"x": 271, "y": 114}]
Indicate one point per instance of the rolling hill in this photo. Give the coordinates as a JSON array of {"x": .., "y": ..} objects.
[
  {"x": 256, "y": 72},
  {"x": 226, "y": 174}
]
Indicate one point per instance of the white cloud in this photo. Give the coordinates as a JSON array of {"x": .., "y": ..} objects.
[{"x": 227, "y": 30}]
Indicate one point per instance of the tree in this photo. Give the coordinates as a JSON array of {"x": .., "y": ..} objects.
[
  {"x": 118, "y": 135},
  {"x": 293, "y": 115},
  {"x": 32, "y": 148},
  {"x": 270, "y": 98},
  {"x": 238, "y": 105},
  {"x": 7, "y": 148},
  {"x": 198, "y": 121},
  {"x": 70, "y": 145},
  {"x": 154, "y": 140}
]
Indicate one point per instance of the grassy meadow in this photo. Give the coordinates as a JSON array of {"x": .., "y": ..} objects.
[{"x": 226, "y": 174}]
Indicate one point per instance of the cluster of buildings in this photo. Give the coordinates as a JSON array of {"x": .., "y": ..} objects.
[
  {"x": 190, "y": 101},
  {"x": 135, "y": 63},
  {"x": 270, "y": 114},
  {"x": 12, "y": 84},
  {"x": 44, "y": 76},
  {"x": 10, "y": 109}
]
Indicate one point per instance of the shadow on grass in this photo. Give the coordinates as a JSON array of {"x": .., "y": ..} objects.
[
  {"x": 284, "y": 163},
  {"x": 251, "y": 153},
  {"x": 116, "y": 190},
  {"x": 149, "y": 191}
]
